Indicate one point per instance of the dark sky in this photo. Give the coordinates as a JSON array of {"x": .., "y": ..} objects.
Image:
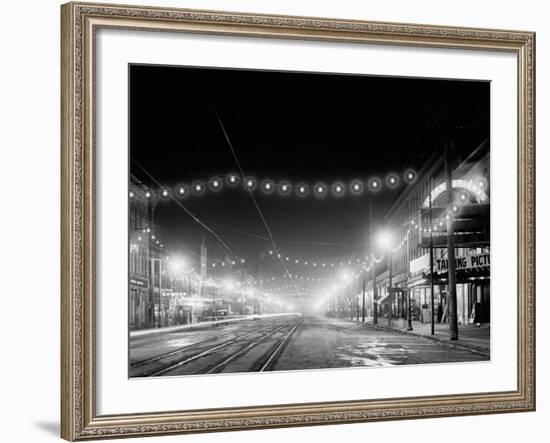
[{"x": 289, "y": 126}]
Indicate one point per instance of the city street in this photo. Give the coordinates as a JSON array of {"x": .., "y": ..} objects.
[
  {"x": 285, "y": 342},
  {"x": 266, "y": 209}
]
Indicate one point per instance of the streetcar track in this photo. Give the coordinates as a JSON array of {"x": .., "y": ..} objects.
[
  {"x": 279, "y": 349},
  {"x": 187, "y": 347},
  {"x": 225, "y": 361},
  {"x": 194, "y": 357},
  {"x": 169, "y": 354}
]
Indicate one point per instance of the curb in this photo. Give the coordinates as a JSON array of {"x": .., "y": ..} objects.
[{"x": 471, "y": 348}]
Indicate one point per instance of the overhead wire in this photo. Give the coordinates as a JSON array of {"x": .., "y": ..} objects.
[{"x": 256, "y": 205}]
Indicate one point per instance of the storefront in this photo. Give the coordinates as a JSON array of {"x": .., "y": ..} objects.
[
  {"x": 472, "y": 288},
  {"x": 140, "y": 314}
]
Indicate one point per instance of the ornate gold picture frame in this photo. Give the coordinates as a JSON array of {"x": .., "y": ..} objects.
[{"x": 80, "y": 22}]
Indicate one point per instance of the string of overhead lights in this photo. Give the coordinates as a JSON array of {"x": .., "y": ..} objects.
[
  {"x": 319, "y": 189},
  {"x": 452, "y": 212},
  {"x": 251, "y": 289},
  {"x": 338, "y": 264},
  {"x": 313, "y": 263},
  {"x": 438, "y": 225}
]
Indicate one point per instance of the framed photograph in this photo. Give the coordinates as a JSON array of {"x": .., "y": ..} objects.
[{"x": 282, "y": 221}]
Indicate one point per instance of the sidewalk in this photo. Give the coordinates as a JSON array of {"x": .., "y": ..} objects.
[{"x": 471, "y": 337}]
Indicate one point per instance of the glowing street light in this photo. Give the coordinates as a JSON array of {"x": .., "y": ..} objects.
[
  {"x": 165, "y": 193},
  {"x": 356, "y": 187},
  {"x": 178, "y": 265},
  {"x": 302, "y": 190},
  {"x": 320, "y": 189},
  {"x": 410, "y": 175},
  {"x": 198, "y": 188},
  {"x": 392, "y": 180},
  {"x": 268, "y": 186},
  {"x": 216, "y": 184},
  {"x": 232, "y": 179},
  {"x": 375, "y": 185},
  {"x": 250, "y": 183},
  {"x": 345, "y": 275},
  {"x": 182, "y": 191},
  {"x": 384, "y": 240},
  {"x": 228, "y": 284},
  {"x": 338, "y": 189},
  {"x": 131, "y": 194},
  {"x": 284, "y": 188}
]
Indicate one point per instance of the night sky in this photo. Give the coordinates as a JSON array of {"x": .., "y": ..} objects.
[{"x": 289, "y": 126}]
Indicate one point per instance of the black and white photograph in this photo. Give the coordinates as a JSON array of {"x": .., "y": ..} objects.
[{"x": 285, "y": 221}]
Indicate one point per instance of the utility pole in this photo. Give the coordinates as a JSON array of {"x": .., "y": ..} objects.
[
  {"x": 390, "y": 293},
  {"x": 373, "y": 266},
  {"x": 451, "y": 293},
  {"x": 151, "y": 205},
  {"x": 409, "y": 313},
  {"x": 356, "y": 302},
  {"x": 431, "y": 261},
  {"x": 356, "y": 306},
  {"x": 363, "y": 306}
]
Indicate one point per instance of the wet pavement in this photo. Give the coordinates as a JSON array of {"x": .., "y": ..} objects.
[
  {"x": 337, "y": 343},
  {"x": 289, "y": 342}
]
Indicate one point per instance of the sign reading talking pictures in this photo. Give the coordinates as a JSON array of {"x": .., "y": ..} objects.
[
  {"x": 266, "y": 225},
  {"x": 469, "y": 261},
  {"x": 464, "y": 262}
]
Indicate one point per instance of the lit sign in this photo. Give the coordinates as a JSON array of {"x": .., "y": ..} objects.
[
  {"x": 470, "y": 261},
  {"x": 464, "y": 262},
  {"x": 139, "y": 282}
]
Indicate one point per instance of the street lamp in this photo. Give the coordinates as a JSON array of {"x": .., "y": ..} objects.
[
  {"x": 385, "y": 242},
  {"x": 178, "y": 265}
]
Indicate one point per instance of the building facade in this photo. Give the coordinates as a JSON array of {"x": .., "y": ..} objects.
[
  {"x": 140, "y": 304},
  {"x": 418, "y": 221}
]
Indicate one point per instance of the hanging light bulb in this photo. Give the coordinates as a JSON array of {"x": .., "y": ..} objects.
[
  {"x": 392, "y": 180},
  {"x": 250, "y": 183},
  {"x": 356, "y": 187},
  {"x": 409, "y": 176},
  {"x": 338, "y": 189},
  {"x": 320, "y": 189},
  {"x": 268, "y": 186},
  {"x": 284, "y": 188},
  {"x": 215, "y": 184},
  {"x": 182, "y": 191},
  {"x": 375, "y": 184},
  {"x": 198, "y": 188},
  {"x": 302, "y": 189},
  {"x": 232, "y": 179}
]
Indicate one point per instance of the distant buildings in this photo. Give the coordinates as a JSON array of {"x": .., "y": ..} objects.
[{"x": 162, "y": 294}]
